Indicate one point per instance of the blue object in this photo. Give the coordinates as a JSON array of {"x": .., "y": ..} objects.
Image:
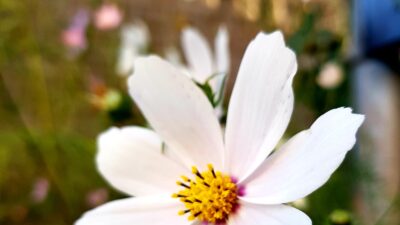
[{"x": 378, "y": 22}]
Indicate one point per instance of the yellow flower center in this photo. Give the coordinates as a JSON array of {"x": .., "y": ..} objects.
[{"x": 210, "y": 197}]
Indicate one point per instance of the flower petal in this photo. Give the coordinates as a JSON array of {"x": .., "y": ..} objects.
[
  {"x": 222, "y": 60},
  {"x": 253, "y": 214},
  {"x": 198, "y": 54},
  {"x": 131, "y": 159},
  {"x": 261, "y": 103},
  {"x": 135, "y": 40},
  {"x": 159, "y": 210},
  {"x": 178, "y": 110},
  {"x": 222, "y": 50},
  {"x": 306, "y": 161}
]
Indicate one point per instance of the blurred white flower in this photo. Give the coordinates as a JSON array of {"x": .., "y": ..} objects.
[
  {"x": 97, "y": 197},
  {"x": 203, "y": 65},
  {"x": 330, "y": 76},
  {"x": 74, "y": 37},
  {"x": 40, "y": 190},
  {"x": 108, "y": 16},
  {"x": 236, "y": 180},
  {"x": 202, "y": 62},
  {"x": 135, "y": 40}
]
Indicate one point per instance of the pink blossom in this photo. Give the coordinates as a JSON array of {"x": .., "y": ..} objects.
[
  {"x": 330, "y": 76},
  {"x": 108, "y": 16},
  {"x": 96, "y": 197},
  {"x": 40, "y": 190},
  {"x": 74, "y": 36}
]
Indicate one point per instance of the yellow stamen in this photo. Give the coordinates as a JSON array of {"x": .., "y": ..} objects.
[{"x": 210, "y": 196}]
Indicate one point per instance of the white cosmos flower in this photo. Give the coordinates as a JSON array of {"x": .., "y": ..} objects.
[
  {"x": 203, "y": 63},
  {"x": 135, "y": 39},
  {"x": 246, "y": 183}
]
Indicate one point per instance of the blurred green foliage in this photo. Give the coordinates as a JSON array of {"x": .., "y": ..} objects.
[{"x": 48, "y": 128}]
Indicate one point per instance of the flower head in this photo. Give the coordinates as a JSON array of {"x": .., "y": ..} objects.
[{"x": 235, "y": 180}]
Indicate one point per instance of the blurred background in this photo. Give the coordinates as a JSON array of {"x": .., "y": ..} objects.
[{"x": 64, "y": 64}]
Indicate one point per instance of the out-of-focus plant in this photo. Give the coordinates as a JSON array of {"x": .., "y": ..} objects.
[
  {"x": 323, "y": 65},
  {"x": 49, "y": 127},
  {"x": 340, "y": 217}
]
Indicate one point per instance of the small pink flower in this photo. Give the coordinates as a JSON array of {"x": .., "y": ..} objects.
[
  {"x": 108, "y": 16},
  {"x": 331, "y": 76},
  {"x": 97, "y": 197},
  {"x": 74, "y": 36},
  {"x": 40, "y": 190}
]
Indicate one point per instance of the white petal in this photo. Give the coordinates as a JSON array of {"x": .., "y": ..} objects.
[
  {"x": 252, "y": 214},
  {"x": 136, "y": 36},
  {"x": 222, "y": 59},
  {"x": 126, "y": 59},
  {"x": 131, "y": 159},
  {"x": 261, "y": 103},
  {"x": 138, "y": 211},
  {"x": 198, "y": 54},
  {"x": 306, "y": 161},
  {"x": 135, "y": 39},
  {"x": 178, "y": 110},
  {"x": 222, "y": 50}
]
